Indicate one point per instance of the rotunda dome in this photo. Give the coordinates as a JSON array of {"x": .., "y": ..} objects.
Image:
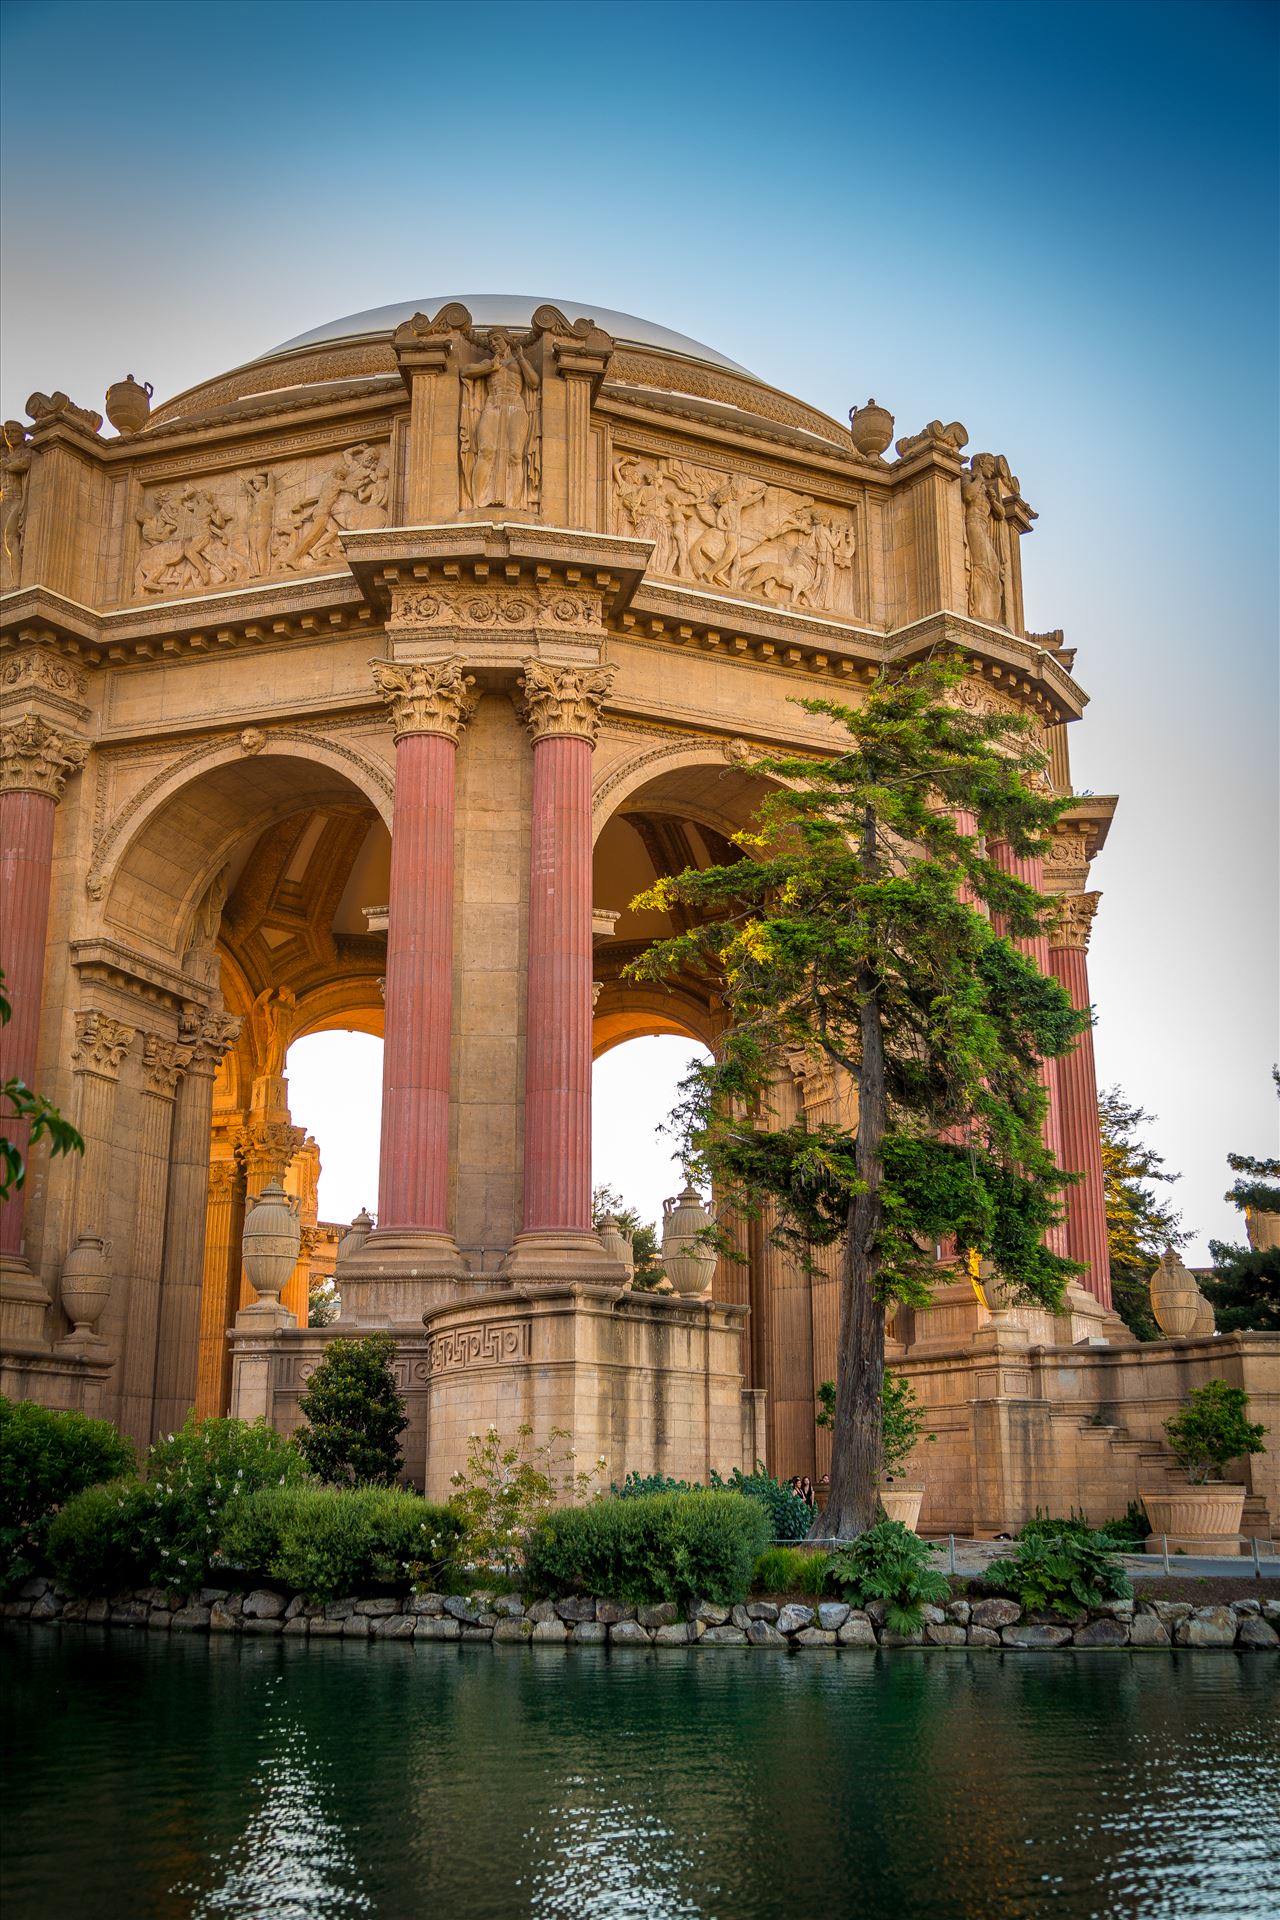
[{"x": 504, "y": 310}]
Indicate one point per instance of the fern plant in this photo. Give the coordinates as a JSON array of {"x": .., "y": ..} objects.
[
  {"x": 888, "y": 1562},
  {"x": 1053, "y": 1572}
]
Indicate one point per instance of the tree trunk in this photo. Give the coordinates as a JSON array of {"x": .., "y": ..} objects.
[{"x": 856, "y": 1439}]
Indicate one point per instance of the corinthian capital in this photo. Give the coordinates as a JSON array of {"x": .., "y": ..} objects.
[
  {"x": 163, "y": 1062},
  {"x": 564, "y": 700},
  {"x": 36, "y": 758},
  {"x": 101, "y": 1043},
  {"x": 210, "y": 1037},
  {"x": 1074, "y": 922},
  {"x": 427, "y": 697}
]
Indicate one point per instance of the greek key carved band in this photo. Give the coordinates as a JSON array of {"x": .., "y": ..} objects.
[{"x": 508, "y": 1344}]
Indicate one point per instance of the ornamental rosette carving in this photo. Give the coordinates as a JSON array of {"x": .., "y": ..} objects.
[
  {"x": 101, "y": 1044},
  {"x": 35, "y": 669},
  {"x": 564, "y": 700},
  {"x": 36, "y": 758},
  {"x": 426, "y": 697},
  {"x": 163, "y": 1064},
  {"x": 1074, "y": 920}
]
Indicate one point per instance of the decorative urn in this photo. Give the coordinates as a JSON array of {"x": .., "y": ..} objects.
[
  {"x": 272, "y": 1236},
  {"x": 355, "y": 1236},
  {"x": 871, "y": 429},
  {"x": 617, "y": 1245},
  {"x": 129, "y": 405},
  {"x": 688, "y": 1260},
  {"x": 1175, "y": 1297},
  {"x": 86, "y": 1284}
]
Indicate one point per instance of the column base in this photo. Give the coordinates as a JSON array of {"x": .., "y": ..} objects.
[
  {"x": 399, "y": 1273},
  {"x": 23, "y": 1306},
  {"x": 264, "y": 1316},
  {"x": 560, "y": 1253}
]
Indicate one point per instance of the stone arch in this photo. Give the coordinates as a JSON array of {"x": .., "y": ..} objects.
[
  {"x": 649, "y": 764},
  {"x": 637, "y": 1012},
  {"x": 160, "y": 853}
]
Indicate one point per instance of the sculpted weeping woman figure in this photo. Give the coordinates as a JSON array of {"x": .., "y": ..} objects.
[
  {"x": 983, "y": 514},
  {"x": 499, "y": 428}
]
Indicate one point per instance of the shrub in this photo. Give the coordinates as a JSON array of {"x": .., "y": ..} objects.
[
  {"x": 789, "y": 1570},
  {"x": 327, "y": 1541},
  {"x": 45, "y": 1458},
  {"x": 665, "y": 1546},
  {"x": 636, "y": 1485},
  {"x": 790, "y": 1517},
  {"x": 888, "y": 1562},
  {"x": 1212, "y": 1429},
  {"x": 506, "y": 1489},
  {"x": 191, "y": 1478},
  {"x": 1062, "y": 1571},
  {"x": 354, "y": 1413},
  {"x": 94, "y": 1545}
]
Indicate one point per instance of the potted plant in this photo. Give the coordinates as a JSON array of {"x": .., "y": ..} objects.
[
  {"x": 902, "y": 1421},
  {"x": 1203, "y": 1514}
]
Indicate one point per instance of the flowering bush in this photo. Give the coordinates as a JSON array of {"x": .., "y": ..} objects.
[
  {"x": 45, "y": 1458},
  {"x": 506, "y": 1489},
  {"x": 191, "y": 1477},
  {"x": 327, "y": 1541}
]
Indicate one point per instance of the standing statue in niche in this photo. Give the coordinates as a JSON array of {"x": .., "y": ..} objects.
[
  {"x": 984, "y": 518},
  {"x": 272, "y": 1019},
  {"x": 499, "y": 432}
]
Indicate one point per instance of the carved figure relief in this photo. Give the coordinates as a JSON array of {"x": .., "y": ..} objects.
[
  {"x": 732, "y": 531},
  {"x": 983, "y": 490},
  {"x": 499, "y": 445},
  {"x": 272, "y": 1019},
  {"x": 564, "y": 700},
  {"x": 281, "y": 519},
  {"x": 426, "y": 698},
  {"x": 15, "y": 464}
]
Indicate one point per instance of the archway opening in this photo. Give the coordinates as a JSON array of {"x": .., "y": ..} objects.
[{"x": 635, "y": 1086}]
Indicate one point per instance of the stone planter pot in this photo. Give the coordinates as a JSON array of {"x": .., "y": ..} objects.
[
  {"x": 902, "y": 1503},
  {"x": 689, "y": 1262},
  {"x": 129, "y": 405},
  {"x": 1203, "y": 1519},
  {"x": 1175, "y": 1298},
  {"x": 86, "y": 1284},
  {"x": 871, "y": 429},
  {"x": 272, "y": 1236}
]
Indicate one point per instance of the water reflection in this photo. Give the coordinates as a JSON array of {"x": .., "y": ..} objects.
[{"x": 456, "y": 1783}]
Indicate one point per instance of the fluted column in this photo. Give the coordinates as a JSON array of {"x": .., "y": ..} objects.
[
  {"x": 35, "y": 762},
  {"x": 164, "y": 1062},
  {"x": 1078, "y": 1102},
  {"x": 101, "y": 1044},
  {"x": 1029, "y": 868},
  {"x": 224, "y": 1223},
  {"x": 562, "y": 712},
  {"x": 188, "y": 1208}
]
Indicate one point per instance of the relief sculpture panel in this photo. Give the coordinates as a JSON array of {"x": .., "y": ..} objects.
[
  {"x": 195, "y": 536},
  {"x": 737, "y": 533}
]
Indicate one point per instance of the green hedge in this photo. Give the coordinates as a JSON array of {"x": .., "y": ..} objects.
[
  {"x": 651, "y": 1547},
  {"x": 97, "y": 1544},
  {"x": 790, "y": 1517},
  {"x": 46, "y": 1458},
  {"x": 326, "y": 1541}
]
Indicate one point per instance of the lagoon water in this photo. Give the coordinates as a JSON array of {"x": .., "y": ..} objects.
[{"x": 149, "y": 1776}]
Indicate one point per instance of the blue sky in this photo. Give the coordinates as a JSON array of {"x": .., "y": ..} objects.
[{"x": 1055, "y": 223}]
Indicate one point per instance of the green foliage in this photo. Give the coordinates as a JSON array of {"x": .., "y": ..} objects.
[
  {"x": 1245, "y": 1289},
  {"x": 354, "y": 1413},
  {"x": 507, "y": 1487},
  {"x": 328, "y": 1541},
  {"x": 666, "y": 1546},
  {"x": 789, "y": 1570},
  {"x": 322, "y": 1303},
  {"x": 1060, "y": 1572},
  {"x": 643, "y": 1235},
  {"x": 789, "y": 1516},
  {"x": 95, "y": 1545},
  {"x": 826, "y": 1399},
  {"x": 888, "y": 1562},
  {"x": 191, "y": 1479},
  {"x": 1127, "y": 1534},
  {"x": 45, "y": 1458},
  {"x": 18, "y": 1102},
  {"x": 1212, "y": 1429},
  {"x": 1139, "y": 1225},
  {"x": 902, "y": 1422}
]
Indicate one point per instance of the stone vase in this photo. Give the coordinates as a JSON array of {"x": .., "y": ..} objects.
[
  {"x": 354, "y": 1237},
  {"x": 688, "y": 1261},
  {"x": 871, "y": 429},
  {"x": 902, "y": 1503},
  {"x": 1175, "y": 1297},
  {"x": 86, "y": 1284},
  {"x": 617, "y": 1245},
  {"x": 129, "y": 405},
  {"x": 272, "y": 1236},
  {"x": 1196, "y": 1519}
]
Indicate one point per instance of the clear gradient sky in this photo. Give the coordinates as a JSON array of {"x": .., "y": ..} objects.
[{"x": 1057, "y": 223}]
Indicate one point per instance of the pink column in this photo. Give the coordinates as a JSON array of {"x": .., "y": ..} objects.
[
  {"x": 1029, "y": 868},
  {"x": 26, "y": 862},
  {"x": 557, "y": 1084},
  {"x": 1078, "y": 1106},
  {"x": 414, "y": 1178}
]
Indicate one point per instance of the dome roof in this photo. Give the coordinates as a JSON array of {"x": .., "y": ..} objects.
[{"x": 506, "y": 310}]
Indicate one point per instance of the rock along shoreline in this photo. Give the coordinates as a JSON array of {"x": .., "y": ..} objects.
[{"x": 1241, "y": 1626}]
